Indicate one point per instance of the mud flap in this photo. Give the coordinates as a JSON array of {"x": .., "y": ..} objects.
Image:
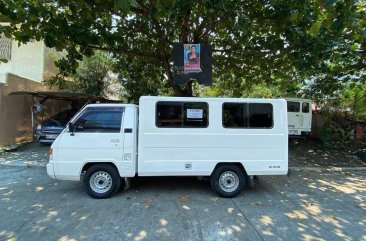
[
  {"x": 250, "y": 181},
  {"x": 127, "y": 184}
]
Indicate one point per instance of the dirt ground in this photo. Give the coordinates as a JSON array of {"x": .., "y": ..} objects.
[
  {"x": 302, "y": 153},
  {"x": 312, "y": 153},
  {"x": 28, "y": 154}
]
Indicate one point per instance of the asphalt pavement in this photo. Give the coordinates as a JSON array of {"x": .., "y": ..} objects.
[{"x": 306, "y": 205}]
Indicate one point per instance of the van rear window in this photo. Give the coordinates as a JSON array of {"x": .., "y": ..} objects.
[
  {"x": 247, "y": 115},
  {"x": 173, "y": 114},
  {"x": 293, "y": 106},
  {"x": 305, "y": 107}
]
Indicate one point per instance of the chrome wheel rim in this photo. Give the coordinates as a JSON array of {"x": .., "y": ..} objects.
[
  {"x": 100, "y": 182},
  {"x": 229, "y": 181}
]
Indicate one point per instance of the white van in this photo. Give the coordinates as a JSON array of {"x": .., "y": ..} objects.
[
  {"x": 228, "y": 140},
  {"x": 299, "y": 116}
]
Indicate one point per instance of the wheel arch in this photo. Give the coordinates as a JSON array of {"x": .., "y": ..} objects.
[
  {"x": 88, "y": 165},
  {"x": 238, "y": 164}
]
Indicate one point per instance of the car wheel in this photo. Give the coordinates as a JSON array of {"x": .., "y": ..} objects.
[
  {"x": 228, "y": 180},
  {"x": 102, "y": 181}
]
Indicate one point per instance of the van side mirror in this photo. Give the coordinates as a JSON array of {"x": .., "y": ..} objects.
[{"x": 71, "y": 128}]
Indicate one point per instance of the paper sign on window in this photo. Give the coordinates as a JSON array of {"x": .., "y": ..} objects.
[{"x": 194, "y": 114}]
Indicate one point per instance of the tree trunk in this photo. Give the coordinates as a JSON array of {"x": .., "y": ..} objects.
[{"x": 189, "y": 89}]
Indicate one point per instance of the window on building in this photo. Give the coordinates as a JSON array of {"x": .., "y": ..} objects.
[
  {"x": 5, "y": 47},
  {"x": 244, "y": 115},
  {"x": 100, "y": 119},
  {"x": 305, "y": 107},
  {"x": 181, "y": 114},
  {"x": 293, "y": 106}
]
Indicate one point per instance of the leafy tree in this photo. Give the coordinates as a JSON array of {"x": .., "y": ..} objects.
[
  {"x": 140, "y": 77},
  {"x": 93, "y": 75},
  {"x": 254, "y": 42}
]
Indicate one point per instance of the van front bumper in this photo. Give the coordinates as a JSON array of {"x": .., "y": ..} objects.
[{"x": 51, "y": 170}]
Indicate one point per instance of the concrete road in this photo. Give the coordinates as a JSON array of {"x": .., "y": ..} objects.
[{"x": 304, "y": 206}]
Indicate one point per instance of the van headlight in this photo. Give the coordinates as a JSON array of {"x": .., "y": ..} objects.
[{"x": 39, "y": 127}]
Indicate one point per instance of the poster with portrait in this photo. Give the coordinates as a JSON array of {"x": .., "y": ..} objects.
[
  {"x": 192, "y": 62},
  {"x": 204, "y": 71}
]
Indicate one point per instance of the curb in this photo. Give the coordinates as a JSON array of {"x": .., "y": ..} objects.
[{"x": 326, "y": 169}]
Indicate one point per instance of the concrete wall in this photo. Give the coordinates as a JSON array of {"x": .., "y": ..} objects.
[
  {"x": 32, "y": 61},
  {"x": 28, "y": 60},
  {"x": 15, "y": 111},
  {"x": 49, "y": 67},
  {"x": 5, "y": 68}
]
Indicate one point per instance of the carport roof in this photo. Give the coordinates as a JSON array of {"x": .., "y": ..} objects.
[{"x": 61, "y": 95}]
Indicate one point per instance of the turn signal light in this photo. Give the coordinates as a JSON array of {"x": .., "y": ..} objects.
[{"x": 51, "y": 153}]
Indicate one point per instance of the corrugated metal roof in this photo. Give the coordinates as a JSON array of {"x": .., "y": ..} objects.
[
  {"x": 5, "y": 47},
  {"x": 62, "y": 95}
]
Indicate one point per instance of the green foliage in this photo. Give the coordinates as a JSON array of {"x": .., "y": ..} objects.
[
  {"x": 351, "y": 98},
  {"x": 93, "y": 76},
  {"x": 339, "y": 125},
  {"x": 3, "y": 60},
  {"x": 140, "y": 77},
  {"x": 260, "y": 47}
]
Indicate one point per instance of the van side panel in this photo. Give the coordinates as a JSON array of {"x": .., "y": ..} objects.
[{"x": 196, "y": 151}]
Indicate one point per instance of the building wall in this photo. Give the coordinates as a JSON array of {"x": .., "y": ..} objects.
[
  {"x": 28, "y": 60},
  {"x": 5, "y": 54},
  {"x": 5, "y": 68},
  {"x": 32, "y": 61},
  {"x": 49, "y": 67},
  {"x": 28, "y": 66},
  {"x": 15, "y": 111}
]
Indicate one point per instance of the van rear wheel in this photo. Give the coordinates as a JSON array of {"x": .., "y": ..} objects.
[
  {"x": 228, "y": 180},
  {"x": 101, "y": 181}
]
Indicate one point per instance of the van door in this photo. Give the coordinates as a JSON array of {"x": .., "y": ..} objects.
[
  {"x": 97, "y": 137},
  {"x": 294, "y": 117},
  {"x": 129, "y": 127}
]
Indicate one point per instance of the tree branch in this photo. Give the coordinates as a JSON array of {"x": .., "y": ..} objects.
[{"x": 153, "y": 57}]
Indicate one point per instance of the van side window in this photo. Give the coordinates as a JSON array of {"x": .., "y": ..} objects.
[
  {"x": 260, "y": 115},
  {"x": 100, "y": 119},
  {"x": 244, "y": 115},
  {"x": 305, "y": 107},
  {"x": 293, "y": 106},
  {"x": 181, "y": 114},
  {"x": 235, "y": 115},
  {"x": 195, "y": 114}
]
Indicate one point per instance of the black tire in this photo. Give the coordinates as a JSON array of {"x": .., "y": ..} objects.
[
  {"x": 235, "y": 177},
  {"x": 102, "y": 181}
]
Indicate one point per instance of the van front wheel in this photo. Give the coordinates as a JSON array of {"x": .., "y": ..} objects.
[
  {"x": 101, "y": 181},
  {"x": 228, "y": 180}
]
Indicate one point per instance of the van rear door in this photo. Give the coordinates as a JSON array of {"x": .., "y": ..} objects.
[{"x": 294, "y": 114}]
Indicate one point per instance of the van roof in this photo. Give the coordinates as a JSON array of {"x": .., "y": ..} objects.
[
  {"x": 298, "y": 99},
  {"x": 209, "y": 99},
  {"x": 111, "y": 105}
]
